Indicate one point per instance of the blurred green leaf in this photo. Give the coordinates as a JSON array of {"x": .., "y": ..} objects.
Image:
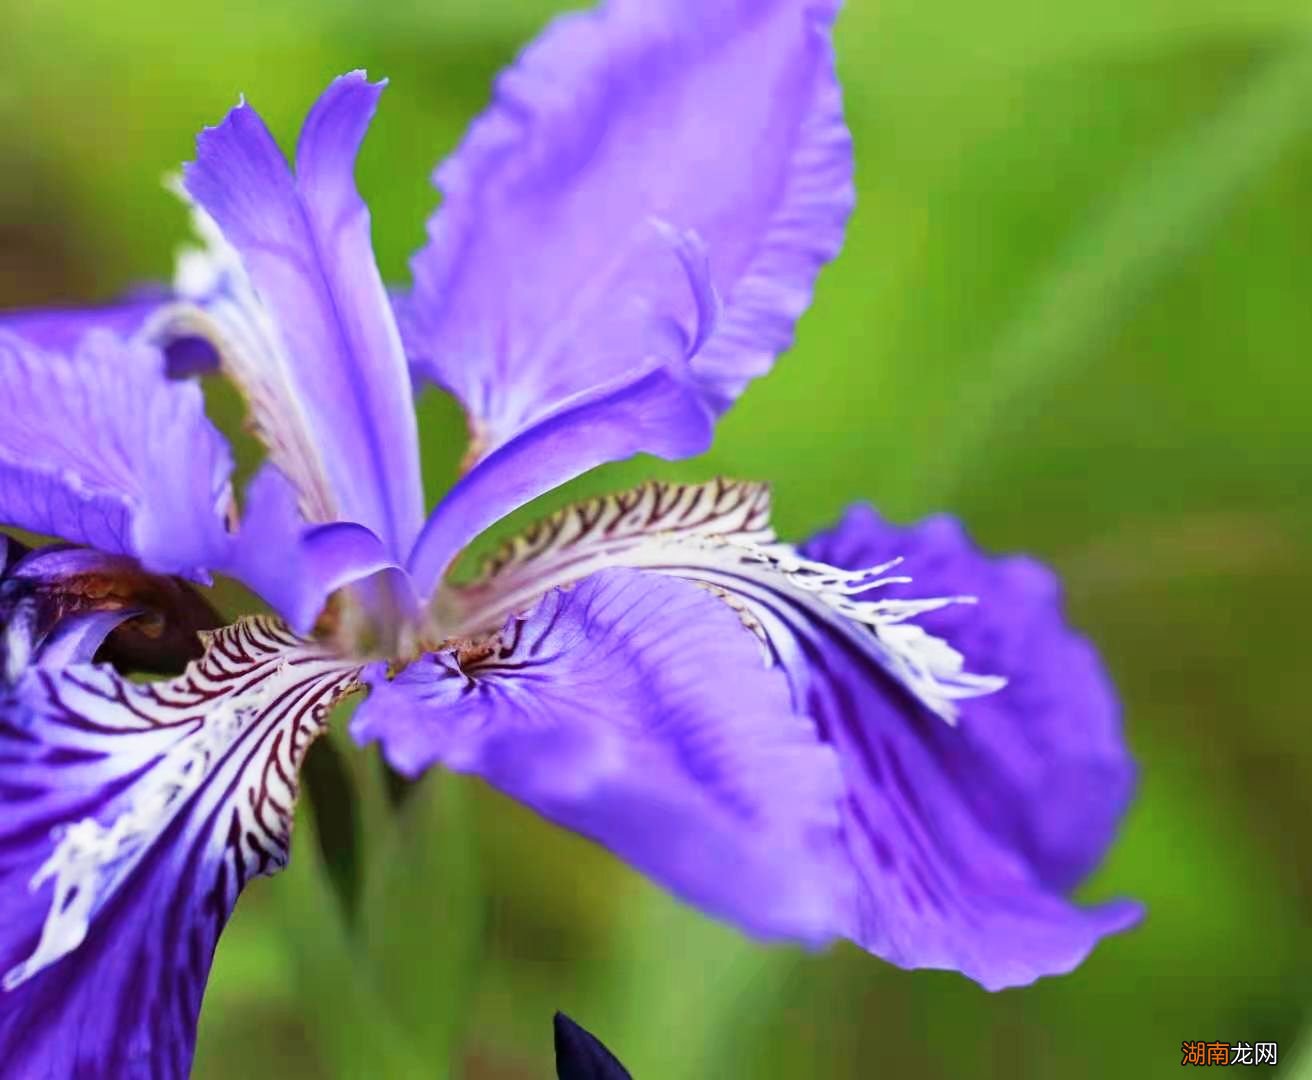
[
  {"x": 1300, "y": 1067},
  {"x": 387, "y": 996},
  {"x": 343, "y": 996},
  {"x": 424, "y": 928},
  {"x": 1020, "y": 33},
  {"x": 673, "y": 997},
  {"x": 1110, "y": 265},
  {"x": 330, "y": 795}
]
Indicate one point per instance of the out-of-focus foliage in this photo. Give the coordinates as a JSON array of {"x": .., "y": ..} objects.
[{"x": 1074, "y": 306}]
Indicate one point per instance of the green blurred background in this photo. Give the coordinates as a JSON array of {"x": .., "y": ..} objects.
[{"x": 1074, "y": 307}]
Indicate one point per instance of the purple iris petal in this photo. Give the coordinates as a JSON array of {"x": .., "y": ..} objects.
[
  {"x": 964, "y": 837},
  {"x": 132, "y": 816},
  {"x": 78, "y": 638},
  {"x": 61, "y": 605},
  {"x": 653, "y": 413},
  {"x": 61, "y": 329},
  {"x": 293, "y": 565},
  {"x": 57, "y": 605},
  {"x": 580, "y": 1055},
  {"x": 189, "y": 354},
  {"x": 637, "y": 162},
  {"x": 720, "y": 116},
  {"x": 637, "y": 710},
  {"x": 10, "y": 552},
  {"x": 164, "y": 617},
  {"x": 333, "y": 375},
  {"x": 98, "y": 446},
  {"x": 1043, "y": 762},
  {"x": 960, "y": 840}
]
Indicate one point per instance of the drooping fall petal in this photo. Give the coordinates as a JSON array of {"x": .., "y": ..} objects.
[
  {"x": 133, "y": 815},
  {"x": 636, "y": 710},
  {"x": 969, "y": 807}
]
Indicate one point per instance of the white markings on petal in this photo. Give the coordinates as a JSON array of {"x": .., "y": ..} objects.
[
  {"x": 927, "y": 665},
  {"x": 235, "y": 727},
  {"x": 219, "y": 303},
  {"x": 601, "y": 532},
  {"x": 18, "y": 635},
  {"x": 719, "y": 534}
]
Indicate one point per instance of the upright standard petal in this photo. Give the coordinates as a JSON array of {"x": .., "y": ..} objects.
[
  {"x": 637, "y": 162},
  {"x": 133, "y": 815},
  {"x": 299, "y": 313},
  {"x": 961, "y": 837},
  {"x": 98, "y": 446},
  {"x": 635, "y": 710}
]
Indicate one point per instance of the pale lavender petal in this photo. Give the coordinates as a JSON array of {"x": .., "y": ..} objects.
[
  {"x": 60, "y": 329},
  {"x": 327, "y": 373},
  {"x": 139, "y": 316},
  {"x": 98, "y": 446},
  {"x": 133, "y": 815},
  {"x": 636, "y": 710},
  {"x": 961, "y": 840},
  {"x": 654, "y": 413},
  {"x": 715, "y": 124}
]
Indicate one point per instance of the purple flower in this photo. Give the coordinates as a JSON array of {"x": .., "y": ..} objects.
[{"x": 786, "y": 737}]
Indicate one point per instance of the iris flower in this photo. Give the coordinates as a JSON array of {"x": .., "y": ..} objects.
[{"x": 786, "y": 737}]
